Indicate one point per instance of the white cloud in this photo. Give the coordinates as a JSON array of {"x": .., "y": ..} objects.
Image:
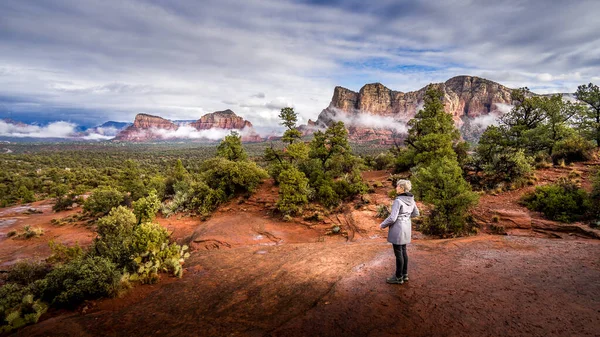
[
  {"x": 188, "y": 132},
  {"x": 62, "y": 130},
  {"x": 97, "y": 136},
  {"x": 53, "y": 130},
  {"x": 182, "y": 59},
  {"x": 366, "y": 120}
]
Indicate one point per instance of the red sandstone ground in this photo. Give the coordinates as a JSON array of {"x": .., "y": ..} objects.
[{"x": 251, "y": 274}]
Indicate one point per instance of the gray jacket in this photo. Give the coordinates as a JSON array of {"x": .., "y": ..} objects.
[{"x": 403, "y": 209}]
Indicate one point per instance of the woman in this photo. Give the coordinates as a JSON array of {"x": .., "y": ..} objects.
[{"x": 403, "y": 208}]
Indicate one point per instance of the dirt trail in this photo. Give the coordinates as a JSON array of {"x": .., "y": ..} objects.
[{"x": 252, "y": 274}]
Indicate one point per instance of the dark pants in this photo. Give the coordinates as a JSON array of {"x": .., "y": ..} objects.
[{"x": 401, "y": 260}]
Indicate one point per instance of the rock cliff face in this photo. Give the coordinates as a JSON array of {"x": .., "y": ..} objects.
[
  {"x": 378, "y": 113},
  {"x": 221, "y": 120},
  {"x": 144, "y": 127},
  {"x": 212, "y": 126}
]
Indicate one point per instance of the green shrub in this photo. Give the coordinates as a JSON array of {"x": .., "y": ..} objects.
[
  {"x": 146, "y": 208},
  {"x": 405, "y": 160},
  {"x": 382, "y": 161},
  {"x": 326, "y": 194},
  {"x": 349, "y": 185},
  {"x": 66, "y": 202},
  {"x": 158, "y": 183},
  {"x": 18, "y": 307},
  {"x": 220, "y": 180},
  {"x": 231, "y": 147},
  {"x": 152, "y": 253},
  {"x": 115, "y": 236},
  {"x": 25, "y": 194},
  {"x": 176, "y": 205},
  {"x": 497, "y": 229},
  {"x": 315, "y": 217},
  {"x": 63, "y": 254},
  {"x": 102, "y": 200},
  {"x": 30, "y": 232},
  {"x": 441, "y": 184},
  {"x": 275, "y": 169},
  {"x": 26, "y": 272},
  {"x": 232, "y": 177},
  {"x": 595, "y": 198},
  {"x": 383, "y": 211},
  {"x": 64, "y": 198},
  {"x": 293, "y": 191},
  {"x": 205, "y": 199},
  {"x": 82, "y": 279},
  {"x": 572, "y": 149},
  {"x": 507, "y": 167},
  {"x": 563, "y": 201}
]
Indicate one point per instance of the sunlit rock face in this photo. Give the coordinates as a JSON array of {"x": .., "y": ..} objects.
[
  {"x": 150, "y": 128},
  {"x": 222, "y": 120},
  {"x": 142, "y": 128},
  {"x": 465, "y": 98}
]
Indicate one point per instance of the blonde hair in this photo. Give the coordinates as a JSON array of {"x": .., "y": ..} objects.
[{"x": 405, "y": 184}]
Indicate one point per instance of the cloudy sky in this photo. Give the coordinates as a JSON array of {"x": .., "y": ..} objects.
[{"x": 88, "y": 61}]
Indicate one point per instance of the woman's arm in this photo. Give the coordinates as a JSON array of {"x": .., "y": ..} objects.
[
  {"x": 415, "y": 212},
  {"x": 393, "y": 215}
]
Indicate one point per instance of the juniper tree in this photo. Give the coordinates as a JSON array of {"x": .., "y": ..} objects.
[
  {"x": 231, "y": 147},
  {"x": 590, "y": 94},
  {"x": 440, "y": 183},
  {"x": 328, "y": 144}
]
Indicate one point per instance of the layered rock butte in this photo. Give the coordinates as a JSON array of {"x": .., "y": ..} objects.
[
  {"x": 465, "y": 97},
  {"x": 147, "y": 127}
]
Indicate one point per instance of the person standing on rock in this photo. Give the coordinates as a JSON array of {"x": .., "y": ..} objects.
[{"x": 403, "y": 208}]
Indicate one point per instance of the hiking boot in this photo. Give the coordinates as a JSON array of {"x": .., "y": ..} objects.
[
  {"x": 394, "y": 280},
  {"x": 405, "y": 278}
]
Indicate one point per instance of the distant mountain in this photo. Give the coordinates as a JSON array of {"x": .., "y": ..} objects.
[
  {"x": 182, "y": 122},
  {"x": 58, "y": 131},
  {"x": 377, "y": 113},
  {"x": 210, "y": 127},
  {"x": 105, "y": 131},
  {"x": 112, "y": 124}
]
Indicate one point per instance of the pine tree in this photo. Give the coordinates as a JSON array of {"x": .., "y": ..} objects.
[
  {"x": 432, "y": 133},
  {"x": 438, "y": 175},
  {"x": 289, "y": 118}
]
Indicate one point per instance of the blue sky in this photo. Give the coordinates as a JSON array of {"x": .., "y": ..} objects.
[{"x": 87, "y": 61}]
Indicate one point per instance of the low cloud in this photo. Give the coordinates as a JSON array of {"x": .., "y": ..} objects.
[
  {"x": 62, "y": 130},
  {"x": 189, "y": 132},
  {"x": 501, "y": 108},
  {"x": 97, "y": 136},
  {"x": 483, "y": 121},
  {"x": 52, "y": 130},
  {"x": 366, "y": 120}
]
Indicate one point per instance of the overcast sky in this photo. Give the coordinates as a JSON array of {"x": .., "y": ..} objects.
[{"x": 89, "y": 61}]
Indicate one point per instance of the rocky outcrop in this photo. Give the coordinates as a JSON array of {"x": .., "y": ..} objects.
[
  {"x": 226, "y": 119},
  {"x": 144, "y": 127},
  {"x": 465, "y": 98},
  {"x": 151, "y": 128}
]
